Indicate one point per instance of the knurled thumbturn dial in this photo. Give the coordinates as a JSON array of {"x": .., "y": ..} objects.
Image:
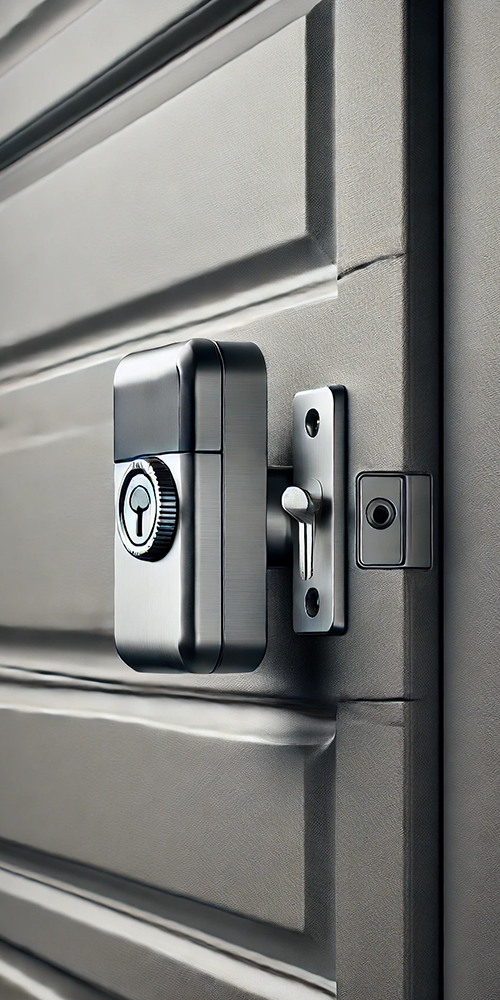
[{"x": 147, "y": 509}]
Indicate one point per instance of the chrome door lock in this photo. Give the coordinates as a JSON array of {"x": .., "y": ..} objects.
[{"x": 199, "y": 516}]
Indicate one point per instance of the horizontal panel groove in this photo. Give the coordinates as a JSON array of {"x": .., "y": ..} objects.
[
  {"x": 239, "y": 723},
  {"x": 32, "y": 979},
  {"x": 122, "y": 954},
  {"x": 221, "y": 46},
  {"x": 82, "y": 660},
  {"x": 27, "y": 29},
  {"x": 244, "y": 939},
  {"x": 135, "y": 66},
  {"x": 274, "y": 275}
]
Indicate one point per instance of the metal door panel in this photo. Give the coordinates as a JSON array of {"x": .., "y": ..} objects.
[
  {"x": 52, "y": 52},
  {"x": 160, "y": 202},
  {"x": 471, "y": 480},
  {"x": 136, "y": 958},
  {"x": 386, "y": 850},
  {"x": 15, "y": 11},
  {"x": 23, "y": 977},
  {"x": 370, "y": 131},
  {"x": 378, "y": 815},
  {"x": 27, "y": 24},
  {"x": 337, "y": 876},
  {"x": 208, "y": 801}
]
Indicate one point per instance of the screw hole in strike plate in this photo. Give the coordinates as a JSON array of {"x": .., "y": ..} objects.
[
  {"x": 380, "y": 513},
  {"x": 312, "y": 423},
  {"x": 312, "y": 602}
]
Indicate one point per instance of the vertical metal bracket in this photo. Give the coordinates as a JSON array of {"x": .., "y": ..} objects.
[{"x": 316, "y": 502}]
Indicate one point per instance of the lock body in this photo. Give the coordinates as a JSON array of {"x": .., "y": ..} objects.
[{"x": 191, "y": 596}]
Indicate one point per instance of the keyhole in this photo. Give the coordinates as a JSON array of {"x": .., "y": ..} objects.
[{"x": 139, "y": 502}]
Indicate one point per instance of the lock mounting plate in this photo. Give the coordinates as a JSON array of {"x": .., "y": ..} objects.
[{"x": 319, "y": 424}]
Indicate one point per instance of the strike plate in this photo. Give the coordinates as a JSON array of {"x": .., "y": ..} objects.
[
  {"x": 319, "y": 417},
  {"x": 394, "y": 521}
]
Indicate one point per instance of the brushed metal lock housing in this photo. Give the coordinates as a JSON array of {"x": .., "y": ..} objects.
[{"x": 190, "y": 491}]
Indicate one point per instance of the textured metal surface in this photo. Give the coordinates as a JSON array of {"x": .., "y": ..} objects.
[
  {"x": 472, "y": 462},
  {"x": 66, "y": 56},
  {"x": 219, "y": 47},
  {"x": 39, "y": 593},
  {"x": 208, "y": 801},
  {"x": 115, "y": 230},
  {"x": 386, "y": 851},
  {"x": 147, "y": 226},
  {"x": 23, "y": 977},
  {"x": 370, "y": 133},
  {"x": 136, "y": 959}
]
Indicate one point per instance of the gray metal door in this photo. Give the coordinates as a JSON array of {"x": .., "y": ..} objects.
[{"x": 249, "y": 172}]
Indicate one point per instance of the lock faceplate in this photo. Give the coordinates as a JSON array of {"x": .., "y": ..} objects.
[{"x": 317, "y": 503}]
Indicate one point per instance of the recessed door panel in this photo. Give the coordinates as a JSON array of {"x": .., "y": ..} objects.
[{"x": 209, "y": 801}]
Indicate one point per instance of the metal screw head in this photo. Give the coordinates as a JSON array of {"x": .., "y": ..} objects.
[{"x": 380, "y": 513}]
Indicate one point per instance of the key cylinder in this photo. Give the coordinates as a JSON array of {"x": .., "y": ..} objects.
[{"x": 147, "y": 509}]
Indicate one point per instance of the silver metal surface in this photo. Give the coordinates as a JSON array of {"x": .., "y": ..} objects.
[
  {"x": 380, "y": 547},
  {"x": 116, "y": 949},
  {"x": 23, "y": 977},
  {"x": 219, "y": 48},
  {"x": 279, "y": 525},
  {"x": 201, "y": 604},
  {"x": 418, "y": 533},
  {"x": 215, "y": 193},
  {"x": 318, "y": 470},
  {"x": 168, "y": 400},
  {"x": 303, "y": 507},
  {"x": 244, "y": 493},
  {"x": 394, "y": 521}
]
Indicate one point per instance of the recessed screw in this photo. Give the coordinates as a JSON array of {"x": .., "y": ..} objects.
[
  {"x": 380, "y": 513},
  {"x": 312, "y": 422},
  {"x": 312, "y": 602}
]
